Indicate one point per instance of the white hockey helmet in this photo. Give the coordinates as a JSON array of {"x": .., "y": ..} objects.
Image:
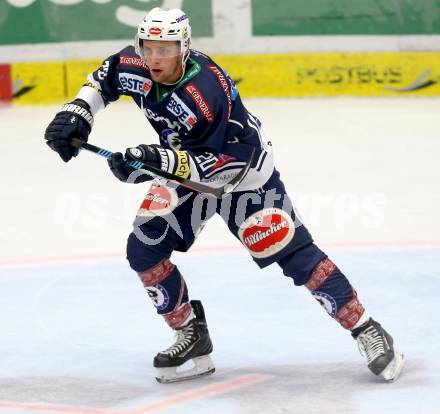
[{"x": 166, "y": 25}]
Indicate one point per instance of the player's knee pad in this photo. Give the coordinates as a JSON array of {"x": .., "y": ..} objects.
[
  {"x": 333, "y": 291},
  {"x": 142, "y": 256}
]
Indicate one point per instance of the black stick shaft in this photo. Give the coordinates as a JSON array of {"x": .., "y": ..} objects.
[{"x": 156, "y": 172}]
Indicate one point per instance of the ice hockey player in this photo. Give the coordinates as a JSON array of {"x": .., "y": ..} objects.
[{"x": 205, "y": 134}]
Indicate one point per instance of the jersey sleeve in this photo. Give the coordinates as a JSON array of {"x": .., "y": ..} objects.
[{"x": 101, "y": 86}]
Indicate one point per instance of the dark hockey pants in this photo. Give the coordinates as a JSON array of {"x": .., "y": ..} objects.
[{"x": 266, "y": 224}]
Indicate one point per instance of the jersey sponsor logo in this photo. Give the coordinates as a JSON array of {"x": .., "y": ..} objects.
[
  {"x": 155, "y": 31},
  {"x": 147, "y": 86},
  {"x": 327, "y": 302},
  {"x": 103, "y": 70},
  {"x": 175, "y": 126},
  {"x": 134, "y": 61},
  {"x": 159, "y": 201},
  {"x": 178, "y": 108},
  {"x": 134, "y": 83},
  {"x": 182, "y": 169},
  {"x": 223, "y": 83},
  {"x": 197, "y": 97},
  {"x": 267, "y": 232}
]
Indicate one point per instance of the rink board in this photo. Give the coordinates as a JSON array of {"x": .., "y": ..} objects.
[{"x": 257, "y": 75}]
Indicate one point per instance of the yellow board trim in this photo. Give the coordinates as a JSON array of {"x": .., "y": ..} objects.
[
  {"x": 38, "y": 82},
  {"x": 335, "y": 74},
  {"x": 264, "y": 75}
]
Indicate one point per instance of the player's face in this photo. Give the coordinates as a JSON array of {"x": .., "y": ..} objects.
[{"x": 164, "y": 60}]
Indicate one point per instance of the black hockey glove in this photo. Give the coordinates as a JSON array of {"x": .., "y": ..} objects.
[
  {"x": 73, "y": 121},
  {"x": 144, "y": 153}
]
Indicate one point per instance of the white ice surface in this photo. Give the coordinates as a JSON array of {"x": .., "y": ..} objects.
[{"x": 78, "y": 332}]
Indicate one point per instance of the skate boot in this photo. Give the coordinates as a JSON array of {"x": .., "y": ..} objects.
[
  {"x": 193, "y": 342},
  {"x": 377, "y": 345}
]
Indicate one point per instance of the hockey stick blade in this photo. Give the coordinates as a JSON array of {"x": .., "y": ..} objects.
[{"x": 156, "y": 172}]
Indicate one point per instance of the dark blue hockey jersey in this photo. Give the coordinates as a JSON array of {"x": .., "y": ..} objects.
[{"x": 205, "y": 131}]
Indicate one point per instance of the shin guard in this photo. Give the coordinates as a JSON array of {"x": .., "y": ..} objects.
[
  {"x": 169, "y": 293},
  {"x": 333, "y": 291}
]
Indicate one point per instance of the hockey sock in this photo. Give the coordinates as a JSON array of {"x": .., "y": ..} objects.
[
  {"x": 169, "y": 293},
  {"x": 333, "y": 291}
]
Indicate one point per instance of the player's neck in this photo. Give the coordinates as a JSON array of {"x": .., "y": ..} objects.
[{"x": 163, "y": 90}]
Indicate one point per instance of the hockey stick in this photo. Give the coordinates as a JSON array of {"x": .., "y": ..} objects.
[{"x": 156, "y": 172}]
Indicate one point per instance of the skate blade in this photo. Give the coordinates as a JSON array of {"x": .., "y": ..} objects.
[
  {"x": 392, "y": 371},
  {"x": 202, "y": 366}
]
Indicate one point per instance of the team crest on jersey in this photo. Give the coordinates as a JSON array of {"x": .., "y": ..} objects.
[
  {"x": 159, "y": 296},
  {"x": 326, "y": 301},
  {"x": 267, "y": 232},
  {"x": 159, "y": 201},
  {"x": 135, "y": 83},
  {"x": 174, "y": 125},
  {"x": 171, "y": 138},
  {"x": 178, "y": 108}
]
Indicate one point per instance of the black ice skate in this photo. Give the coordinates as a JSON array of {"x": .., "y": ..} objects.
[
  {"x": 193, "y": 342},
  {"x": 377, "y": 345}
]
